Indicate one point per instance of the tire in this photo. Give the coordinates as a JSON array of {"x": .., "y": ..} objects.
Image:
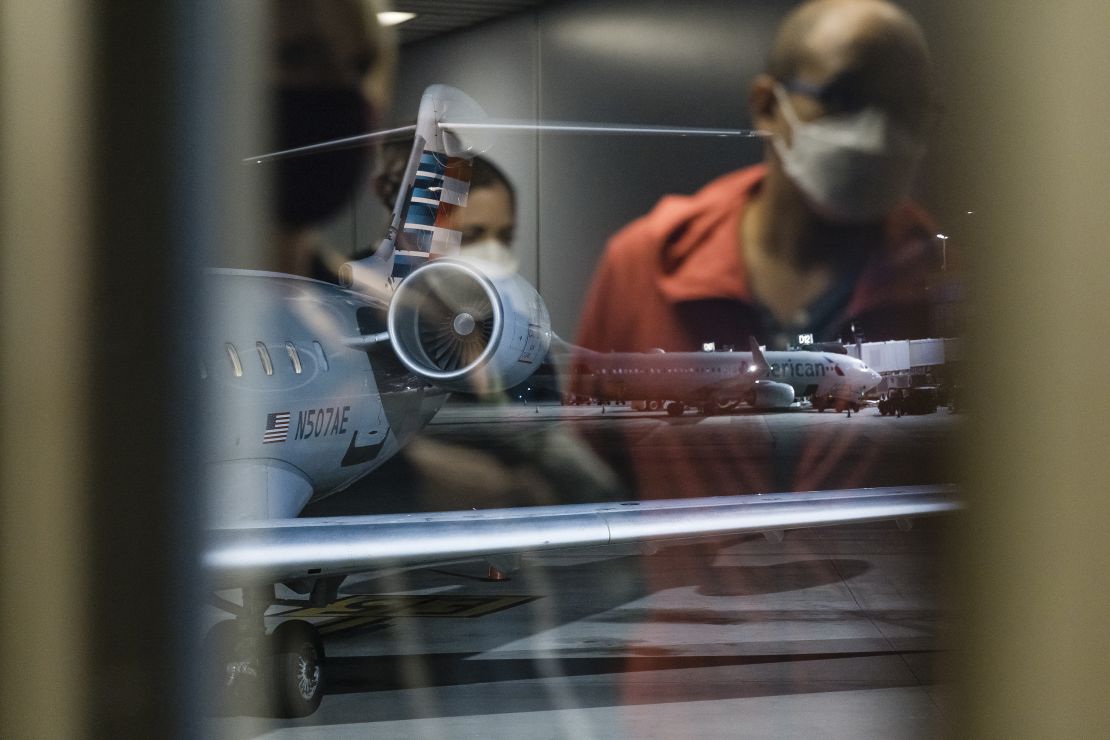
[
  {"x": 298, "y": 676},
  {"x": 653, "y": 405},
  {"x": 675, "y": 408}
]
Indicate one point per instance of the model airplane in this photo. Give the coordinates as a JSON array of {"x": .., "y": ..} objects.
[
  {"x": 717, "y": 381},
  {"x": 315, "y": 385}
]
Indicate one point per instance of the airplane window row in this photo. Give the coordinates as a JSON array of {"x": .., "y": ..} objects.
[
  {"x": 264, "y": 355},
  {"x": 267, "y": 362},
  {"x": 293, "y": 357}
]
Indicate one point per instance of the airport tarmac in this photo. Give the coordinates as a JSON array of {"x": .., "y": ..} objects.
[{"x": 834, "y": 632}]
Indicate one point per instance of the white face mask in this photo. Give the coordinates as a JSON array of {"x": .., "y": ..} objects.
[
  {"x": 852, "y": 167},
  {"x": 492, "y": 251}
]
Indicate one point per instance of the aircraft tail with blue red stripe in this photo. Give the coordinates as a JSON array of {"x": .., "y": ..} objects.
[{"x": 436, "y": 181}]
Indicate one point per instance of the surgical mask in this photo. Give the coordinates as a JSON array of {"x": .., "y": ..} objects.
[
  {"x": 851, "y": 167},
  {"x": 492, "y": 251}
]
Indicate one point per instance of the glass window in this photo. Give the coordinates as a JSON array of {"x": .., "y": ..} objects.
[
  {"x": 320, "y": 355},
  {"x": 264, "y": 355},
  {"x": 233, "y": 355},
  {"x": 293, "y": 357}
]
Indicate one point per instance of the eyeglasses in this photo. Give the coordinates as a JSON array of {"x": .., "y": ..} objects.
[
  {"x": 847, "y": 94},
  {"x": 833, "y": 96}
]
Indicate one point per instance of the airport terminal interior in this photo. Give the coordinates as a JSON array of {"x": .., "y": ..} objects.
[
  {"x": 552, "y": 369},
  {"x": 839, "y": 631}
]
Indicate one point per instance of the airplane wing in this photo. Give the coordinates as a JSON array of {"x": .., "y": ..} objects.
[{"x": 292, "y": 549}]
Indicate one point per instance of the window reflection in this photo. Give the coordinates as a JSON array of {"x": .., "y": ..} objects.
[
  {"x": 294, "y": 357},
  {"x": 741, "y": 338},
  {"x": 233, "y": 356}
]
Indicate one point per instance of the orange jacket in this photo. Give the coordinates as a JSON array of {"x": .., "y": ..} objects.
[{"x": 674, "y": 278}]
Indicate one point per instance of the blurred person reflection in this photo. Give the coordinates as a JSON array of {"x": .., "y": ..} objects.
[
  {"x": 330, "y": 78},
  {"x": 327, "y": 82},
  {"x": 819, "y": 236}
]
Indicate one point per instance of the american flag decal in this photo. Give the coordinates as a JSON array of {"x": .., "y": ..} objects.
[{"x": 277, "y": 427}]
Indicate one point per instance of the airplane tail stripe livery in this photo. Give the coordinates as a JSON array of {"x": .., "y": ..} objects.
[{"x": 441, "y": 185}]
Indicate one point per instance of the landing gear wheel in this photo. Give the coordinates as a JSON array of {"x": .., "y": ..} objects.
[
  {"x": 675, "y": 408},
  {"x": 653, "y": 405},
  {"x": 298, "y": 657}
]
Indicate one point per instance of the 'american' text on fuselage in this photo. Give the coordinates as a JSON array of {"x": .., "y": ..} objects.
[{"x": 799, "y": 370}]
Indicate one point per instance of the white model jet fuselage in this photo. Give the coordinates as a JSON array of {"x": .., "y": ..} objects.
[{"x": 298, "y": 412}]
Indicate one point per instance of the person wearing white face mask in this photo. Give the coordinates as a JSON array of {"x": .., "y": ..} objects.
[
  {"x": 820, "y": 238},
  {"x": 488, "y": 222},
  {"x": 851, "y": 167}
]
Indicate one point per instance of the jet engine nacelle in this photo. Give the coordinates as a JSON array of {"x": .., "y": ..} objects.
[
  {"x": 469, "y": 325},
  {"x": 767, "y": 394}
]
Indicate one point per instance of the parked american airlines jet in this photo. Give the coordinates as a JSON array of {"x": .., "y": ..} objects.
[
  {"x": 714, "y": 381},
  {"x": 313, "y": 386}
]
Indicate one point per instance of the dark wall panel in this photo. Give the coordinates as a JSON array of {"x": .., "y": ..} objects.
[{"x": 644, "y": 62}]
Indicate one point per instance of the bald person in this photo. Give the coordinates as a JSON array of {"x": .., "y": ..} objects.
[{"x": 820, "y": 237}]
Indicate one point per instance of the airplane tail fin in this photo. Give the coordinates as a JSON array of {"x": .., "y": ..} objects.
[
  {"x": 759, "y": 362},
  {"x": 435, "y": 182}
]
